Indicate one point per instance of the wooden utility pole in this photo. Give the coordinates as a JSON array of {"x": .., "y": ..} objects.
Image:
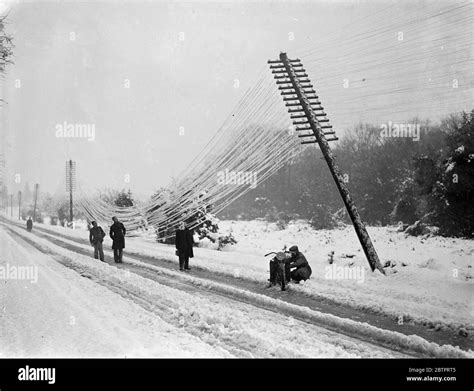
[
  {"x": 299, "y": 93},
  {"x": 19, "y": 204},
  {"x": 71, "y": 215},
  {"x": 11, "y": 205},
  {"x": 36, "y": 199},
  {"x": 70, "y": 184}
]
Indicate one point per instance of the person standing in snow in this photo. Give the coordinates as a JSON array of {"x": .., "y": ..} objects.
[
  {"x": 298, "y": 261},
  {"x": 117, "y": 234},
  {"x": 29, "y": 224},
  {"x": 184, "y": 246},
  {"x": 96, "y": 237}
]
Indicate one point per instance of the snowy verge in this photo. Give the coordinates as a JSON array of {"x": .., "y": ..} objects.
[
  {"x": 428, "y": 282},
  {"x": 396, "y": 340}
]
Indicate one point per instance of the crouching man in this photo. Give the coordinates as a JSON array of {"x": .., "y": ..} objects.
[{"x": 302, "y": 271}]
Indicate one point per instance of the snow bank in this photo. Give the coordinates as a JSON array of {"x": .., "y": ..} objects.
[
  {"x": 145, "y": 286},
  {"x": 435, "y": 287}
]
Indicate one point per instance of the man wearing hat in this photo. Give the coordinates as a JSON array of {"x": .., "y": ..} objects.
[
  {"x": 96, "y": 237},
  {"x": 184, "y": 245},
  {"x": 302, "y": 270},
  {"x": 117, "y": 234}
]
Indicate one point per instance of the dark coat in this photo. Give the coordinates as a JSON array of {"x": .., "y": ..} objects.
[
  {"x": 184, "y": 242},
  {"x": 117, "y": 234},
  {"x": 303, "y": 273},
  {"x": 96, "y": 235},
  {"x": 29, "y": 224},
  {"x": 303, "y": 270},
  {"x": 298, "y": 261}
]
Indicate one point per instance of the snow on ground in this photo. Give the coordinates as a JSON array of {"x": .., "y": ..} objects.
[
  {"x": 435, "y": 286},
  {"x": 64, "y": 314},
  {"x": 244, "y": 330}
]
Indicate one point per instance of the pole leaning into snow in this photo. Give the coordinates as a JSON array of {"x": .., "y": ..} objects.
[{"x": 298, "y": 92}]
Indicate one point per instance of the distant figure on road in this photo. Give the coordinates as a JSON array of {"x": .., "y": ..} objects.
[
  {"x": 29, "y": 224},
  {"x": 117, "y": 234},
  {"x": 96, "y": 237},
  {"x": 184, "y": 246}
]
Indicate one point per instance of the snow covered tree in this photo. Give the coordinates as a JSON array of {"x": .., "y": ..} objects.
[
  {"x": 453, "y": 193},
  {"x": 321, "y": 218},
  {"x": 6, "y": 46},
  {"x": 122, "y": 198},
  {"x": 200, "y": 217},
  {"x": 406, "y": 206}
]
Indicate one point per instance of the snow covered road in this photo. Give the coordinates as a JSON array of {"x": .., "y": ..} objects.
[
  {"x": 387, "y": 332},
  {"x": 431, "y": 296},
  {"x": 66, "y": 315},
  {"x": 115, "y": 313}
]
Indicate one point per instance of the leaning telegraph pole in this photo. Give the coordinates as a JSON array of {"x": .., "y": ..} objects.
[
  {"x": 70, "y": 186},
  {"x": 298, "y": 92}
]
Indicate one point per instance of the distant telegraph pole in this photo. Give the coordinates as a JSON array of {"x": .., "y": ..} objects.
[
  {"x": 11, "y": 205},
  {"x": 70, "y": 186},
  {"x": 2, "y": 180},
  {"x": 19, "y": 204},
  {"x": 36, "y": 199}
]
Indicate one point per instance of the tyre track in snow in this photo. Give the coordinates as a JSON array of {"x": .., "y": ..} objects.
[
  {"x": 318, "y": 303},
  {"x": 290, "y": 297},
  {"x": 55, "y": 313},
  {"x": 246, "y": 345}
]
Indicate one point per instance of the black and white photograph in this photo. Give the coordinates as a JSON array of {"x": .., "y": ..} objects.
[{"x": 230, "y": 181}]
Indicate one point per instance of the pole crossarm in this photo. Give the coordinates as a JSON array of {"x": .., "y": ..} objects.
[{"x": 290, "y": 82}]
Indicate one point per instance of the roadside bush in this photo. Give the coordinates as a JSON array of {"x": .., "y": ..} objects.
[{"x": 322, "y": 218}]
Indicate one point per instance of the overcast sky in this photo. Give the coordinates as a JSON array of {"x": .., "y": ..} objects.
[{"x": 125, "y": 68}]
